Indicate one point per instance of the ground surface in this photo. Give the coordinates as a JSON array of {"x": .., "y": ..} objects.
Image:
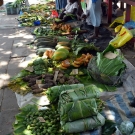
[{"x": 12, "y": 53}]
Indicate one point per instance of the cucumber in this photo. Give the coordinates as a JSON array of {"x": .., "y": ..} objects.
[{"x": 46, "y": 43}]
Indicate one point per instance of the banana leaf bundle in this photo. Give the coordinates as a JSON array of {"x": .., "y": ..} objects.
[
  {"x": 54, "y": 92},
  {"x": 84, "y": 124},
  {"x": 90, "y": 91},
  {"x": 77, "y": 110}
]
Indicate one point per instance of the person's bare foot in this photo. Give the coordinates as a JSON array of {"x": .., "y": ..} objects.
[{"x": 91, "y": 37}]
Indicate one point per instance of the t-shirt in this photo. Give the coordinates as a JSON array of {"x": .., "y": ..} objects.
[{"x": 70, "y": 7}]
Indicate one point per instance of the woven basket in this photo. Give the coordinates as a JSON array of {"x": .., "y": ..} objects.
[{"x": 1, "y": 2}]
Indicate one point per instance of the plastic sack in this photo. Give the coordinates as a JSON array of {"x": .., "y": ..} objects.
[
  {"x": 118, "y": 20},
  {"x": 118, "y": 28},
  {"x": 84, "y": 124},
  {"x": 130, "y": 25},
  {"x": 121, "y": 38},
  {"x": 54, "y": 14}
]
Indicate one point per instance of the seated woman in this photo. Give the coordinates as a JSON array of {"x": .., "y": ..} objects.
[{"x": 70, "y": 12}]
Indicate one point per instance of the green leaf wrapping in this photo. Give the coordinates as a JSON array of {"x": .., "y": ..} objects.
[
  {"x": 84, "y": 124},
  {"x": 79, "y": 109},
  {"x": 90, "y": 91},
  {"x": 54, "y": 92},
  {"x": 107, "y": 71},
  {"x": 110, "y": 67}
]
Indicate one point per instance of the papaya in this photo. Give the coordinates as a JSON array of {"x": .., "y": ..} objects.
[
  {"x": 63, "y": 50},
  {"x": 59, "y": 46},
  {"x": 59, "y": 55}
]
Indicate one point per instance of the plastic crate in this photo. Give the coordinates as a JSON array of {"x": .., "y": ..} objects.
[{"x": 12, "y": 10}]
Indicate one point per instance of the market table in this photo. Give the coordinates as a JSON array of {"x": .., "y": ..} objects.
[{"x": 128, "y": 9}]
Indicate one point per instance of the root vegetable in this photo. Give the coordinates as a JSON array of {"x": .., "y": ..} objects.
[{"x": 62, "y": 80}]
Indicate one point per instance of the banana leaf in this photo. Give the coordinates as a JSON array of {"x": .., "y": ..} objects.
[
  {"x": 84, "y": 124},
  {"x": 54, "y": 92},
  {"x": 110, "y": 67},
  {"x": 90, "y": 91},
  {"x": 77, "y": 110},
  {"x": 107, "y": 71}
]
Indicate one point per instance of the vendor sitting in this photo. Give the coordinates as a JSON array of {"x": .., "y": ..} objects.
[{"x": 70, "y": 12}]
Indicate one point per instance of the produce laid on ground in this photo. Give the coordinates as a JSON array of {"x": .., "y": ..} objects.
[
  {"x": 69, "y": 75},
  {"x": 37, "y": 14}
]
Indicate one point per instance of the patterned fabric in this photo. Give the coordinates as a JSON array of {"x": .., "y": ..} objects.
[
  {"x": 60, "y": 4},
  {"x": 118, "y": 108}
]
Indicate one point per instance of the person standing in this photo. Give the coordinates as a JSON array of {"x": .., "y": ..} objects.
[
  {"x": 94, "y": 15},
  {"x": 60, "y": 4}
]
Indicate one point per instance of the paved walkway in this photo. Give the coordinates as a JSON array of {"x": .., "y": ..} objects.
[{"x": 12, "y": 53}]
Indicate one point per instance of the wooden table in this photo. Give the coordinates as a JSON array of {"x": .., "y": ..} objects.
[{"x": 128, "y": 9}]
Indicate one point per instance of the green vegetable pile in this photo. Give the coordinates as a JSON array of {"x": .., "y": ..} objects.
[
  {"x": 43, "y": 31},
  {"x": 30, "y": 121},
  {"x": 40, "y": 66}
]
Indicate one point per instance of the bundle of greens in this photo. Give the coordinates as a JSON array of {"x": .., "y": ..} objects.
[
  {"x": 54, "y": 92},
  {"x": 84, "y": 124},
  {"x": 105, "y": 70},
  {"x": 79, "y": 46},
  {"x": 80, "y": 107},
  {"x": 77, "y": 110},
  {"x": 90, "y": 91},
  {"x": 31, "y": 121},
  {"x": 40, "y": 66}
]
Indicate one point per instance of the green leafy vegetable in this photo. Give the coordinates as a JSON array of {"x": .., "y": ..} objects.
[
  {"x": 54, "y": 92},
  {"x": 110, "y": 67}
]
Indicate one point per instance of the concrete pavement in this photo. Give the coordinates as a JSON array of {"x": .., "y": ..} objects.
[{"x": 12, "y": 53}]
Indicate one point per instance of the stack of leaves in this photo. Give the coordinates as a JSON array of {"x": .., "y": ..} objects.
[
  {"x": 31, "y": 121},
  {"x": 80, "y": 107},
  {"x": 54, "y": 92}
]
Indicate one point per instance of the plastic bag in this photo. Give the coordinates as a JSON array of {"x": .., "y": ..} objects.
[
  {"x": 54, "y": 14},
  {"x": 121, "y": 38}
]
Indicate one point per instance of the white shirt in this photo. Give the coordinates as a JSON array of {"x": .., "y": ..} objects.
[{"x": 70, "y": 7}]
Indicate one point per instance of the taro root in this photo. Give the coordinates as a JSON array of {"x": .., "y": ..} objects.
[
  {"x": 32, "y": 80},
  {"x": 60, "y": 75},
  {"x": 71, "y": 78},
  {"x": 76, "y": 81},
  {"x": 31, "y": 84},
  {"x": 47, "y": 76},
  {"x": 27, "y": 78},
  {"x": 71, "y": 82},
  {"x": 62, "y": 80},
  {"x": 35, "y": 91},
  {"x": 34, "y": 86},
  {"x": 38, "y": 77},
  {"x": 48, "y": 85}
]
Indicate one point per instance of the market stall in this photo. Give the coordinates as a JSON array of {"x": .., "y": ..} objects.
[{"x": 63, "y": 89}]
